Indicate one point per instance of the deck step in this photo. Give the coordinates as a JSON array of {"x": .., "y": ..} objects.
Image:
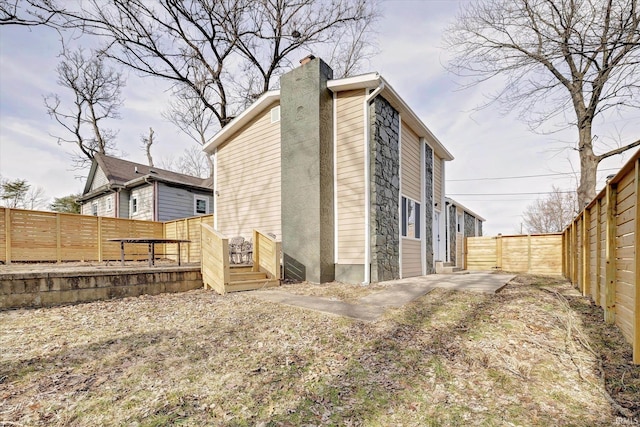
[
  {"x": 247, "y": 275},
  {"x": 249, "y": 285},
  {"x": 240, "y": 268}
]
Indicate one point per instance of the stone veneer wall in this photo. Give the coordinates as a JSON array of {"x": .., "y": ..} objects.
[
  {"x": 385, "y": 190},
  {"x": 469, "y": 225},
  {"x": 452, "y": 234},
  {"x": 428, "y": 208},
  {"x": 41, "y": 289}
]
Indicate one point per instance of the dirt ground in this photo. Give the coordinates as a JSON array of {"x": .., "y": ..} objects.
[{"x": 537, "y": 353}]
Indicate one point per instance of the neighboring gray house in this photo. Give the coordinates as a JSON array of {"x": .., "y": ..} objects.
[{"x": 123, "y": 189}]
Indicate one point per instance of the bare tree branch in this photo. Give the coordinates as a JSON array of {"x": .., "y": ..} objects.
[
  {"x": 95, "y": 90},
  {"x": 556, "y": 56}
]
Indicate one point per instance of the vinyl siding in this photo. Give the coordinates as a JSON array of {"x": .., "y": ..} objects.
[
  {"x": 350, "y": 176},
  {"x": 145, "y": 203},
  {"x": 410, "y": 187},
  {"x": 177, "y": 202},
  {"x": 249, "y": 179},
  {"x": 99, "y": 179},
  {"x": 103, "y": 205},
  {"x": 437, "y": 179},
  {"x": 411, "y": 258},
  {"x": 410, "y": 169}
]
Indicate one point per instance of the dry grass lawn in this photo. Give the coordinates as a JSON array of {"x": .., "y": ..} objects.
[{"x": 534, "y": 354}]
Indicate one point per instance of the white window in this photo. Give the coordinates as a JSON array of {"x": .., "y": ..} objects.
[
  {"x": 459, "y": 223},
  {"x": 275, "y": 114},
  {"x": 134, "y": 205},
  {"x": 200, "y": 205},
  {"x": 410, "y": 218},
  {"x": 94, "y": 208},
  {"x": 109, "y": 204}
]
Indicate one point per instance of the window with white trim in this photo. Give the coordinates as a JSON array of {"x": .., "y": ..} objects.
[
  {"x": 94, "y": 208},
  {"x": 410, "y": 218},
  {"x": 134, "y": 205},
  {"x": 109, "y": 207},
  {"x": 275, "y": 114},
  {"x": 200, "y": 205},
  {"x": 459, "y": 220}
]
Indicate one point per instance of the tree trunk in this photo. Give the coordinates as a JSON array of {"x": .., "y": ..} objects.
[{"x": 588, "y": 168}]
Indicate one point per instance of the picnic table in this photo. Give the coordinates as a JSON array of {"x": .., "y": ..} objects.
[{"x": 151, "y": 241}]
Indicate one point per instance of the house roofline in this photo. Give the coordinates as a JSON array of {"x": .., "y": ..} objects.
[
  {"x": 150, "y": 177},
  {"x": 364, "y": 81},
  {"x": 464, "y": 208},
  {"x": 372, "y": 80},
  {"x": 245, "y": 117}
]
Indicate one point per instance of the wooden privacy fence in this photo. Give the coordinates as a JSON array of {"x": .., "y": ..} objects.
[
  {"x": 535, "y": 254},
  {"x": 38, "y": 236},
  {"x": 600, "y": 252}
]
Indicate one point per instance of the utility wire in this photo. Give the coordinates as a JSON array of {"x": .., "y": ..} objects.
[
  {"x": 508, "y": 194},
  {"x": 524, "y": 176}
]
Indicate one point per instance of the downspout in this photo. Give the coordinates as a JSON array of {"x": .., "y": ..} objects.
[
  {"x": 117, "y": 203},
  {"x": 367, "y": 183}
]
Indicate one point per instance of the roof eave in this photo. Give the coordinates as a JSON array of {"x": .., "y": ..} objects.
[
  {"x": 464, "y": 208},
  {"x": 245, "y": 117},
  {"x": 412, "y": 119}
]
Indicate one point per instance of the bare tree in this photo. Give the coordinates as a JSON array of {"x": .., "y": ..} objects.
[
  {"x": 30, "y": 12},
  {"x": 192, "y": 162},
  {"x": 18, "y": 193},
  {"x": 191, "y": 116},
  {"x": 203, "y": 46},
  {"x": 147, "y": 142},
  {"x": 556, "y": 56},
  {"x": 552, "y": 213},
  {"x": 95, "y": 89}
]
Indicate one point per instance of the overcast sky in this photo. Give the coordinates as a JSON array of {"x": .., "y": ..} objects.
[{"x": 485, "y": 143}]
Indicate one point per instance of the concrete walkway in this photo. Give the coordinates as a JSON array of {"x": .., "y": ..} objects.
[{"x": 397, "y": 294}]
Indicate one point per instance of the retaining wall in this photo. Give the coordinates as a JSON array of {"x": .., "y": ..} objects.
[{"x": 41, "y": 289}]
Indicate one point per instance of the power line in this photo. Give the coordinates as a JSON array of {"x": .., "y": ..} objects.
[
  {"x": 508, "y": 194},
  {"x": 524, "y": 176}
]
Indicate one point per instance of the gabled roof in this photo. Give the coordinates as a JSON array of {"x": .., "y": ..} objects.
[
  {"x": 464, "y": 208},
  {"x": 364, "y": 81},
  {"x": 125, "y": 174}
]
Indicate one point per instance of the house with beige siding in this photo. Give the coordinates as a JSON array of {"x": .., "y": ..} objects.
[
  {"x": 119, "y": 188},
  {"x": 461, "y": 222},
  {"x": 342, "y": 171}
]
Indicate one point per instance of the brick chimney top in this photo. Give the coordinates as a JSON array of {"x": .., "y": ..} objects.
[{"x": 307, "y": 59}]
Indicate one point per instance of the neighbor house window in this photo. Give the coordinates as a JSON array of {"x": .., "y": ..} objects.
[
  {"x": 94, "y": 209},
  {"x": 109, "y": 204},
  {"x": 275, "y": 114},
  {"x": 410, "y": 218},
  {"x": 459, "y": 218},
  {"x": 201, "y": 205},
  {"x": 134, "y": 205}
]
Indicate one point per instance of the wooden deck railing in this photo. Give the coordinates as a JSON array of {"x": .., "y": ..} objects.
[
  {"x": 601, "y": 254},
  {"x": 266, "y": 254},
  {"x": 39, "y": 236},
  {"x": 215, "y": 264}
]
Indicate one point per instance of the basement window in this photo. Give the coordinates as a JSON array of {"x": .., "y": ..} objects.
[{"x": 410, "y": 218}]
